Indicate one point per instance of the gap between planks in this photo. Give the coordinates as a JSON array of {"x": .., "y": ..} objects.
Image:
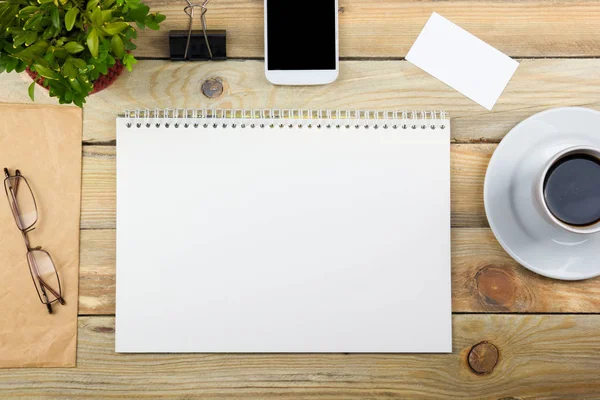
[
  {"x": 388, "y": 28},
  {"x": 388, "y": 85},
  {"x": 540, "y": 356},
  {"x": 485, "y": 279},
  {"x": 468, "y": 166}
]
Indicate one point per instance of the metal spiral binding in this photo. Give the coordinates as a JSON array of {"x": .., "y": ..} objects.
[{"x": 301, "y": 118}]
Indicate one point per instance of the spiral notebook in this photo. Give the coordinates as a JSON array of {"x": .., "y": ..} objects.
[{"x": 283, "y": 231}]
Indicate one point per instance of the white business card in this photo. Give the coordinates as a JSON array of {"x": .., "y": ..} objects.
[{"x": 462, "y": 61}]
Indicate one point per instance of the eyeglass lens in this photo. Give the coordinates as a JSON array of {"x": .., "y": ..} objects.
[
  {"x": 22, "y": 202},
  {"x": 44, "y": 276}
]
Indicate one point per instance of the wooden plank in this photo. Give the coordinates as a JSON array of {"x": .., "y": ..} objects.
[
  {"x": 398, "y": 85},
  {"x": 99, "y": 187},
  {"x": 469, "y": 163},
  {"x": 97, "y": 269},
  {"x": 388, "y": 28},
  {"x": 484, "y": 279},
  {"x": 540, "y": 356}
]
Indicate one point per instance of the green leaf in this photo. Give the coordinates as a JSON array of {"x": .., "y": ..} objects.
[
  {"x": 31, "y": 91},
  {"x": 32, "y": 53},
  {"x": 55, "y": 17},
  {"x": 76, "y": 85},
  {"x": 49, "y": 57},
  {"x": 92, "y": 42},
  {"x": 50, "y": 32},
  {"x": 60, "y": 52},
  {"x": 55, "y": 88},
  {"x": 79, "y": 100},
  {"x": 11, "y": 64},
  {"x": 32, "y": 22},
  {"x": 160, "y": 18},
  {"x": 96, "y": 17},
  {"x": 68, "y": 98},
  {"x": 106, "y": 15},
  {"x": 31, "y": 37},
  {"x": 102, "y": 68},
  {"x": 79, "y": 63},
  {"x": 8, "y": 15},
  {"x": 21, "y": 66},
  {"x": 130, "y": 33},
  {"x": 45, "y": 1},
  {"x": 46, "y": 72},
  {"x": 140, "y": 13},
  {"x": 129, "y": 61},
  {"x": 28, "y": 10},
  {"x": 69, "y": 70},
  {"x": 74, "y": 47},
  {"x": 114, "y": 28},
  {"x": 130, "y": 46},
  {"x": 19, "y": 39},
  {"x": 152, "y": 25},
  {"x": 91, "y": 5},
  {"x": 70, "y": 18},
  {"x": 116, "y": 45}
]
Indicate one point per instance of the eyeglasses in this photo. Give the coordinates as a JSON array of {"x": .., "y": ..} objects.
[{"x": 24, "y": 209}]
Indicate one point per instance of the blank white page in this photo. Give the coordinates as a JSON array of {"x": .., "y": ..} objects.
[{"x": 283, "y": 240}]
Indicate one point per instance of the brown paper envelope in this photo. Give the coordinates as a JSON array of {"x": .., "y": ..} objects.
[{"x": 44, "y": 143}]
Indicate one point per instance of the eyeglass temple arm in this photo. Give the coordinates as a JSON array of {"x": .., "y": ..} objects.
[
  {"x": 58, "y": 296},
  {"x": 7, "y": 175},
  {"x": 48, "y": 305}
]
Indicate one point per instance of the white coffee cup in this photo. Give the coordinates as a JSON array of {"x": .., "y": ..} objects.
[{"x": 538, "y": 190}]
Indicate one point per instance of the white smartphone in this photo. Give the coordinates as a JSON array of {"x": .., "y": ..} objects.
[{"x": 301, "y": 42}]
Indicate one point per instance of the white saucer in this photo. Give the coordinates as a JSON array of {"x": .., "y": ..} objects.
[{"x": 508, "y": 195}]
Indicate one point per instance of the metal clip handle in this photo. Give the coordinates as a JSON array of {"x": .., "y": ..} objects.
[{"x": 189, "y": 10}]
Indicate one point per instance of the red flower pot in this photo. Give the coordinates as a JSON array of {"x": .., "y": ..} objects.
[{"x": 101, "y": 83}]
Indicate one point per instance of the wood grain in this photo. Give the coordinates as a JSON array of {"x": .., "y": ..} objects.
[
  {"x": 388, "y": 28},
  {"x": 398, "y": 85},
  {"x": 541, "y": 357},
  {"x": 468, "y": 166},
  {"x": 484, "y": 279}
]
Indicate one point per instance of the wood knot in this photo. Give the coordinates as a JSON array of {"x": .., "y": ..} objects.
[
  {"x": 483, "y": 357},
  {"x": 497, "y": 287},
  {"x": 341, "y": 10},
  {"x": 212, "y": 88},
  {"x": 104, "y": 329}
]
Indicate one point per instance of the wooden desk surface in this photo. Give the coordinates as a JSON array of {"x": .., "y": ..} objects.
[{"x": 528, "y": 336}]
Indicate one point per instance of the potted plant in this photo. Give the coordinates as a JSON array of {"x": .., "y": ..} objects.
[{"x": 71, "y": 47}]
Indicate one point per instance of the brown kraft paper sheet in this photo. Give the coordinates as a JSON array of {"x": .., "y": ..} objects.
[{"x": 44, "y": 143}]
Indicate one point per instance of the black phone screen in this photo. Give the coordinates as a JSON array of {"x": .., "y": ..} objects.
[{"x": 301, "y": 35}]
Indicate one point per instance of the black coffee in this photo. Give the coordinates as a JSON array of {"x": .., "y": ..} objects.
[{"x": 572, "y": 189}]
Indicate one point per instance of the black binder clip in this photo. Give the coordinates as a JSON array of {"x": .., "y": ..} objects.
[{"x": 195, "y": 45}]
